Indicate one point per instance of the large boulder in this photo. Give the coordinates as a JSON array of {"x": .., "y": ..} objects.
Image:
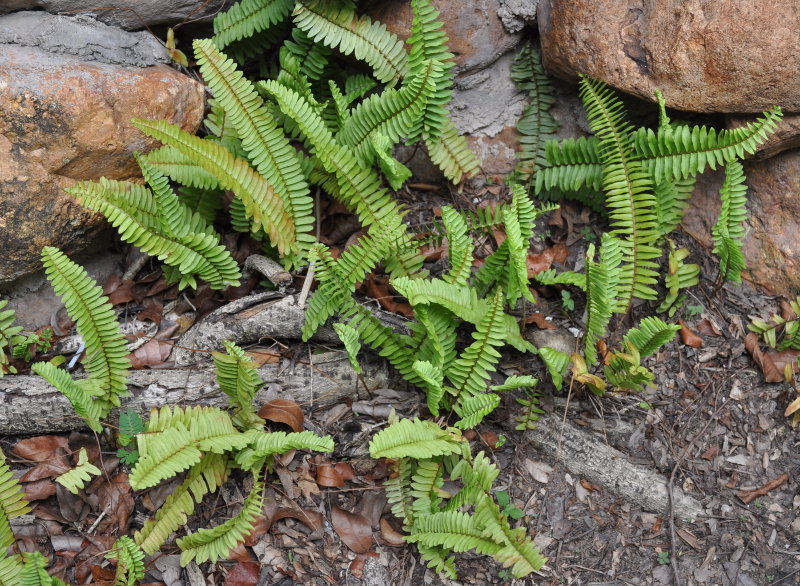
[
  {"x": 127, "y": 14},
  {"x": 65, "y": 118},
  {"x": 771, "y": 246},
  {"x": 705, "y": 55}
]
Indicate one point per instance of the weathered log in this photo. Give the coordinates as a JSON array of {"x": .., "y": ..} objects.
[
  {"x": 586, "y": 455},
  {"x": 29, "y": 405}
]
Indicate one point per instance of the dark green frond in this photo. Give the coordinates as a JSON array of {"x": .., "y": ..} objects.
[
  {"x": 451, "y": 153},
  {"x": 536, "y": 125},
  {"x": 728, "y": 232},
  {"x": 339, "y": 27},
  {"x": 571, "y": 165},
  {"x": 248, "y": 17},
  {"x": 651, "y": 335},
  {"x": 428, "y": 42},
  {"x": 677, "y": 152}
]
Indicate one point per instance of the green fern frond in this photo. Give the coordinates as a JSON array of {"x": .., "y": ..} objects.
[
  {"x": 180, "y": 168},
  {"x": 338, "y": 26},
  {"x": 651, "y": 335},
  {"x": 170, "y": 238},
  {"x": 426, "y": 487},
  {"x": 9, "y": 335},
  {"x": 312, "y": 56},
  {"x": 10, "y": 569},
  {"x": 130, "y": 561},
  {"x": 557, "y": 363},
  {"x": 395, "y": 172},
  {"x": 269, "y": 150},
  {"x": 728, "y": 232},
  {"x": 572, "y": 164},
  {"x": 519, "y": 228},
  {"x": 517, "y": 381},
  {"x": 677, "y": 152},
  {"x": 530, "y": 411},
  {"x": 238, "y": 378},
  {"x": 679, "y": 276},
  {"x": 455, "y": 530},
  {"x": 203, "y": 478},
  {"x": 671, "y": 201},
  {"x": 600, "y": 300},
  {"x": 391, "y": 113},
  {"x": 551, "y": 277},
  {"x": 428, "y": 41},
  {"x": 451, "y": 153},
  {"x": 431, "y": 376},
  {"x": 75, "y": 480},
  {"x": 97, "y": 324},
  {"x": 213, "y": 544},
  {"x": 263, "y": 445},
  {"x": 398, "y": 492},
  {"x": 629, "y": 193},
  {"x": 204, "y": 203},
  {"x": 472, "y": 410},
  {"x": 536, "y": 125},
  {"x": 459, "y": 247},
  {"x": 77, "y": 392},
  {"x": 349, "y": 337},
  {"x": 33, "y": 571},
  {"x": 517, "y": 550},
  {"x": 414, "y": 438},
  {"x": 470, "y": 372},
  {"x": 436, "y": 558},
  {"x": 182, "y": 442},
  {"x": 263, "y": 205},
  {"x": 12, "y": 503},
  {"x": 248, "y": 17}
]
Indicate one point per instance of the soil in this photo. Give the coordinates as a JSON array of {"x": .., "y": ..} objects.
[{"x": 711, "y": 428}]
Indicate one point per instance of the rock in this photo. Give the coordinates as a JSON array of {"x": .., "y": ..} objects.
[
  {"x": 771, "y": 248},
  {"x": 65, "y": 118},
  {"x": 517, "y": 14},
  {"x": 705, "y": 55},
  {"x": 476, "y": 33},
  {"x": 126, "y": 14},
  {"x": 787, "y": 135}
]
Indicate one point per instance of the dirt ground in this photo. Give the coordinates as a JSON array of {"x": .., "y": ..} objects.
[{"x": 711, "y": 429}]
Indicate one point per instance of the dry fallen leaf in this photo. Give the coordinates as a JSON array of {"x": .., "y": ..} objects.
[
  {"x": 151, "y": 353},
  {"x": 538, "y": 470},
  {"x": 357, "y": 565},
  {"x": 352, "y": 528},
  {"x": 748, "y": 496},
  {"x": 283, "y": 411},
  {"x": 689, "y": 538},
  {"x": 772, "y": 363},
  {"x": 688, "y": 337},
  {"x": 390, "y": 535},
  {"x": 243, "y": 574},
  {"x": 40, "y": 448},
  {"x": 540, "y": 320},
  {"x": 334, "y": 475}
]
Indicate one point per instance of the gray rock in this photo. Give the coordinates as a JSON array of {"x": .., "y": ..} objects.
[
  {"x": 517, "y": 14},
  {"x": 127, "y": 14},
  {"x": 81, "y": 36}
]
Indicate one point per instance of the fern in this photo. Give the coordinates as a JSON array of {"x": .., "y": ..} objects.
[
  {"x": 269, "y": 150},
  {"x": 238, "y": 378},
  {"x": 557, "y": 363},
  {"x": 451, "y": 153},
  {"x": 216, "y": 543},
  {"x": 75, "y": 480},
  {"x": 181, "y": 168},
  {"x": 130, "y": 562},
  {"x": 349, "y": 337},
  {"x": 12, "y": 503},
  {"x": 678, "y": 152},
  {"x": 679, "y": 276},
  {"x": 473, "y": 409},
  {"x": 204, "y": 477},
  {"x": 728, "y": 232},
  {"x": 536, "y": 124},
  {"x": 428, "y": 42},
  {"x": 414, "y": 438},
  {"x": 336, "y": 25},
  {"x": 267, "y": 209},
  {"x": 9, "y": 336},
  {"x": 262, "y": 445},
  {"x": 653, "y": 334},
  {"x": 248, "y": 17},
  {"x": 629, "y": 194},
  {"x": 458, "y": 531},
  {"x": 96, "y": 322},
  {"x": 181, "y": 443},
  {"x": 671, "y": 201},
  {"x": 600, "y": 292}
]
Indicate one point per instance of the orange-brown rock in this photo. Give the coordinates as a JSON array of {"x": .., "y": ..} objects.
[
  {"x": 771, "y": 245},
  {"x": 63, "y": 119},
  {"x": 705, "y": 55}
]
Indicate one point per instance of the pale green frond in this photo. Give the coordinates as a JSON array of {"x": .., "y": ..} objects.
[
  {"x": 262, "y": 445},
  {"x": 349, "y": 337},
  {"x": 472, "y": 410},
  {"x": 214, "y": 544},
  {"x": 248, "y": 17},
  {"x": 130, "y": 561},
  {"x": 459, "y": 247},
  {"x": 451, "y": 153},
  {"x": 455, "y": 530},
  {"x": 728, "y": 232},
  {"x": 557, "y": 363},
  {"x": 75, "y": 480},
  {"x": 106, "y": 352},
  {"x": 238, "y": 378},
  {"x": 414, "y": 438},
  {"x": 652, "y": 333}
]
